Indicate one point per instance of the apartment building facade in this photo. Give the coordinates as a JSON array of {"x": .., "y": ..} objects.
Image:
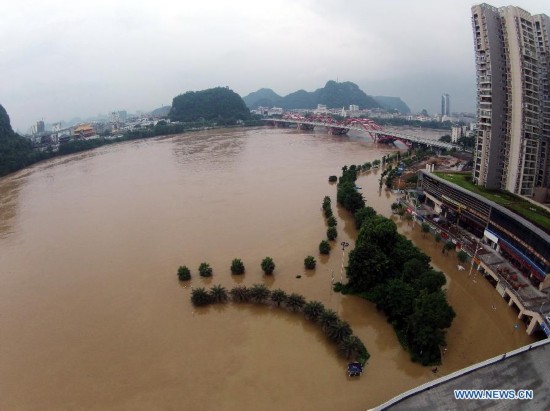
[{"x": 512, "y": 74}]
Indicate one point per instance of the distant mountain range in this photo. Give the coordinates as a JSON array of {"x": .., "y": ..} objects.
[
  {"x": 393, "y": 103},
  {"x": 333, "y": 95}
]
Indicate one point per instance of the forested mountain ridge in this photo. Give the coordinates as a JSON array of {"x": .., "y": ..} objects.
[
  {"x": 333, "y": 95},
  {"x": 393, "y": 103},
  {"x": 218, "y": 104},
  {"x": 15, "y": 151}
]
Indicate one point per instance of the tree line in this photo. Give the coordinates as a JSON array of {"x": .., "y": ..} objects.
[
  {"x": 336, "y": 329},
  {"x": 387, "y": 269},
  {"x": 17, "y": 152}
]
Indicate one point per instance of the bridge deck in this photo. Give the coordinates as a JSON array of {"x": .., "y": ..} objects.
[{"x": 401, "y": 136}]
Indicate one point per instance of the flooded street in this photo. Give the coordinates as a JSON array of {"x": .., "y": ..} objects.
[{"x": 92, "y": 315}]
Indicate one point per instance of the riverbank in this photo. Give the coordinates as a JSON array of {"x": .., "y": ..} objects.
[{"x": 26, "y": 158}]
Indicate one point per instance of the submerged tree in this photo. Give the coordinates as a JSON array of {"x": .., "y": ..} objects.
[
  {"x": 350, "y": 346},
  {"x": 324, "y": 247},
  {"x": 295, "y": 301},
  {"x": 240, "y": 294},
  {"x": 218, "y": 294},
  {"x": 268, "y": 266},
  {"x": 183, "y": 273},
  {"x": 205, "y": 270},
  {"x": 332, "y": 233},
  {"x": 309, "y": 262},
  {"x": 200, "y": 297},
  {"x": 313, "y": 309},
  {"x": 237, "y": 266},
  {"x": 338, "y": 330},
  {"x": 259, "y": 293},
  {"x": 327, "y": 318},
  {"x": 278, "y": 296}
]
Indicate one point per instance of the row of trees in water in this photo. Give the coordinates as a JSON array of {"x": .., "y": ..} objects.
[
  {"x": 387, "y": 269},
  {"x": 237, "y": 267},
  {"x": 336, "y": 329}
]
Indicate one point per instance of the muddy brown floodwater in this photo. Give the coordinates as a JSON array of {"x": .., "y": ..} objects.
[{"x": 92, "y": 315}]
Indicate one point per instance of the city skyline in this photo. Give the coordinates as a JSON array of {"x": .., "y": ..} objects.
[{"x": 81, "y": 58}]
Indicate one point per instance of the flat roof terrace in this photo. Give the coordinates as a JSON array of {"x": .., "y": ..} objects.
[{"x": 533, "y": 213}]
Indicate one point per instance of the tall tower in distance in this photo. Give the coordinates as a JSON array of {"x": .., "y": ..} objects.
[
  {"x": 445, "y": 105},
  {"x": 513, "y": 110}
]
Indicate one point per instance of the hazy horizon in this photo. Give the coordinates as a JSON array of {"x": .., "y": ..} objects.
[{"x": 80, "y": 59}]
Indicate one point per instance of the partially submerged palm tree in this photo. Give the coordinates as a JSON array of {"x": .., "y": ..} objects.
[
  {"x": 199, "y": 296},
  {"x": 278, "y": 296},
  {"x": 350, "y": 346},
  {"x": 240, "y": 294},
  {"x": 295, "y": 301},
  {"x": 218, "y": 294},
  {"x": 313, "y": 309},
  {"x": 327, "y": 318},
  {"x": 259, "y": 293},
  {"x": 339, "y": 330}
]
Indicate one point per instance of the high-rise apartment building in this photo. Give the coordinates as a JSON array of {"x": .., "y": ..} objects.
[
  {"x": 445, "y": 105},
  {"x": 513, "y": 106}
]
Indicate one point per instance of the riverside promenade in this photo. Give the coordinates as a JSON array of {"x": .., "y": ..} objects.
[{"x": 527, "y": 368}]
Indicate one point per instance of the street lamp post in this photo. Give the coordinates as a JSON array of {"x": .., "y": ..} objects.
[
  {"x": 344, "y": 245},
  {"x": 478, "y": 247}
]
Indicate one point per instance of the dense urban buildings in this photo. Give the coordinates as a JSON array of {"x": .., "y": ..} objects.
[{"x": 513, "y": 106}]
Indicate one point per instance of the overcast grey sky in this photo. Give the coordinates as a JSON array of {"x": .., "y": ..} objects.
[{"x": 63, "y": 59}]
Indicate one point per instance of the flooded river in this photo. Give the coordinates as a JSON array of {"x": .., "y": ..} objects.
[{"x": 92, "y": 315}]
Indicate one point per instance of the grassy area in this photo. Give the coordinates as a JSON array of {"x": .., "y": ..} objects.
[{"x": 531, "y": 212}]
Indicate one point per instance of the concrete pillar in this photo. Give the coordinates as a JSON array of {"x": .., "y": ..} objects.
[
  {"x": 520, "y": 315},
  {"x": 532, "y": 326},
  {"x": 511, "y": 302}
]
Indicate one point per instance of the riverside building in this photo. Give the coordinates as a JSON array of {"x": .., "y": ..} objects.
[
  {"x": 513, "y": 100},
  {"x": 511, "y": 251}
]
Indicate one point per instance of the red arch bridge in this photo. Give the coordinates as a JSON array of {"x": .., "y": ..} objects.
[{"x": 375, "y": 131}]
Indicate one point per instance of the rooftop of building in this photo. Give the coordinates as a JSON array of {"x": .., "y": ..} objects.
[
  {"x": 536, "y": 214},
  {"x": 527, "y": 368}
]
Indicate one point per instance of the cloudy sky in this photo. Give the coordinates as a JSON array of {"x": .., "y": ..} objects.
[{"x": 65, "y": 59}]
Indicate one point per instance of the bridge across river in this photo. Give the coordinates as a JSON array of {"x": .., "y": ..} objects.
[{"x": 376, "y": 132}]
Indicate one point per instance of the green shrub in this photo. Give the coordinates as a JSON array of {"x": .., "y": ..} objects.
[
  {"x": 309, "y": 262},
  {"x": 331, "y": 221},
  {"x": 332, "y": 233},
  {"x": 205, "y": 270},
  {"x": 183, "y": 273},
  {"x": 268, "y": 266},
  {"x": 324, "y": 247},
  {"x": 237, "y": 266},
  {"x": 332, "y": 179}
]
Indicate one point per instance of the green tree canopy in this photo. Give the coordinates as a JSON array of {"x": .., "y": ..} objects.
[{"x": 216, "y": 104}]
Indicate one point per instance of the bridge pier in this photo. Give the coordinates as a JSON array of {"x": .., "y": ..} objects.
[{"x": 337, "y": 131}]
